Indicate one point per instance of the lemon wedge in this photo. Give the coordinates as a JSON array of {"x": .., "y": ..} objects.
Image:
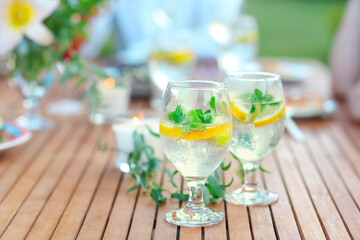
[
  {"x": 269, "y": 114},
  {"x": 175, "y": 57},
  {"x": 210, "y": 132}
]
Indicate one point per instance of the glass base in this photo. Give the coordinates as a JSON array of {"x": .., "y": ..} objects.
[
  {"x": 65, "y": 107},
  {"x": 185, "y": 217},
  {"x": 34, "y": 123},
  {"x": 260, "y": 197}
]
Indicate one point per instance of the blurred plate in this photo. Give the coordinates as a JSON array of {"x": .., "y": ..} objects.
[
  {"x": 12, "y": 135},
  {"x": 312, "y": 107},
  {"x": 288, "y": 70}
]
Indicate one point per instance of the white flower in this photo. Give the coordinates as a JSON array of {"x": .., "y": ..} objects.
[{"x": 24, "y": 17}]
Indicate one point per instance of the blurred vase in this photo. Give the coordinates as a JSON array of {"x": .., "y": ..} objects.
[{"x": 33, "y": 91}]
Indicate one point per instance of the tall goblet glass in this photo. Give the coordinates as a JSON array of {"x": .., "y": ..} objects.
[
  {"x": 258, "y": 109},
  {"x": 196, "y": 130}
]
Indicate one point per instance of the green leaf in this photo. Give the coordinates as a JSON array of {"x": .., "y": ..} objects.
[
  {"x": 229, "y": 184},
  {"x": 253, "y": 108},
  {"x": 193, "y": 116},
  {"x": 264, "y": 170},
  {"x": 234, "y": 156},
  {"x": 180, "y": 196},
  {"x": 258, "y": 94},
  {"x": 171, "y": 176},
  {"x": 156, "y": 195},
  {"x": 137, "y": 183},
  {"x": 212, "y": 103},
  {"x": 240, "y": 172},
  {"x": 151, "y": 131},
  {"x": 214, "y": 187},
  {"x": 143, "y": 178},
  {"x": 225, "y": 168},
  {"x": 178, "y": 115}
]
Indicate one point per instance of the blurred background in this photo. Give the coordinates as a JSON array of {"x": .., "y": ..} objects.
[
  {"x": 288, "y": 28},
  {"x": 138, "y": 46}
]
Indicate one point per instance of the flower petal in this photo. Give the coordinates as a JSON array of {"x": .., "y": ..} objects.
[
  {"x": 44, "y": 8},
  {"x": 8, "y": 40},
  {"x": 39, "y": 33}
]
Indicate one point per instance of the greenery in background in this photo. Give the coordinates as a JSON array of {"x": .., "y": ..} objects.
[
  {"x": 68, "y": 25},
  {"x": 296, "y": 28}
]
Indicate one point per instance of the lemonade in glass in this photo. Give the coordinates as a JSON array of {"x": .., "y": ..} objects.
[
  {"x": 196, "y": 131},
  {"x": 258, "y": 109}
]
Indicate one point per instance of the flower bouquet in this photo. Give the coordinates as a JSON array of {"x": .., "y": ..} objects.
[{"x": 38, "y": 35}]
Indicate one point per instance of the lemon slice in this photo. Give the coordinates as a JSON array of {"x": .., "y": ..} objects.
[
  {"x": 239, "y": 111},
  {"x": 269, "y": 114},
  {"x": 176, "y": 58},
  {"x": 173, "y": 132}
]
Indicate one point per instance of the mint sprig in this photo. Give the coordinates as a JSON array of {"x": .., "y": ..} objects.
[
  {"x": 194, "y": 119},
  {"x": 258, "y": 98}
]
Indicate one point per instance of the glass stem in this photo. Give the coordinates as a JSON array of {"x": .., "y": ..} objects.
[
  {"x": 196, "y": 202},
  {"x": 32, "y": 108},
  {"x": 250, "y": 182}
]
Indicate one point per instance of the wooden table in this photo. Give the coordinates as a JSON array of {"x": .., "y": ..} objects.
[{"x": 59, "y": 186}]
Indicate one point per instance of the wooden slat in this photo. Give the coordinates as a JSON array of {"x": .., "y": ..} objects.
[
  {"x": 217, "y": 231},
  {"x": 163, "y": 229},
  {"x": 30, "y": 209},
  {"x": 144, "y": 215},
  {"x": 120, "y": 218},
  {"x": 14, "y": 199},
  {"x": 341, "y": 162},
  {"x": 344, "y": 202},
  {"x": 260, "y": 216},
  {"x": 347, "y": 147},
  {"x": 284, "y": 219},
  {"x": 322, "y": 200},
  {"x": 310, "y": 226},
  {"x": 56, "y": 203},
  {"x": 353, "y": 130},
  {"x": 237, "y": 216},
  {"x": 96, "y": 218},
  {"x": 21, "y": 160},
  {"x": 77, "y": 208}
]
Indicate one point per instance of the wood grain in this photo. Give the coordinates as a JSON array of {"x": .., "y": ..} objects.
[{"x": 60, "y": 186}]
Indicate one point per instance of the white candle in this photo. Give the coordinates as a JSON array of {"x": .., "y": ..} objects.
[
  {"x": 125, "y": 142},
  {"x": 114, "y": 99}
]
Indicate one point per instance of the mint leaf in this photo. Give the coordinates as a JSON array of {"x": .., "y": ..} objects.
[
  {"x": 253, "y": 108},
  {"x": 193, "y": 116},
  {"x": 178, "y": 115},
  {"x": 212, "y": 103},
  {"x": 267, "y": 97},
  {"x": 258, "y": 94}
]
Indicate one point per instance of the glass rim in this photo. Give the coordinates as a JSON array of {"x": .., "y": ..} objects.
[
  {"x": 241, "y": 76},
  {"x": 183, "y": 84}
]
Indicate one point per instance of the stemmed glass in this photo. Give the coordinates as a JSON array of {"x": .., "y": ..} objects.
[
  {"x": 33, "y": 91},
  {"x": 258, "y": 109},
  {"x": 195, "y": 130}
]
